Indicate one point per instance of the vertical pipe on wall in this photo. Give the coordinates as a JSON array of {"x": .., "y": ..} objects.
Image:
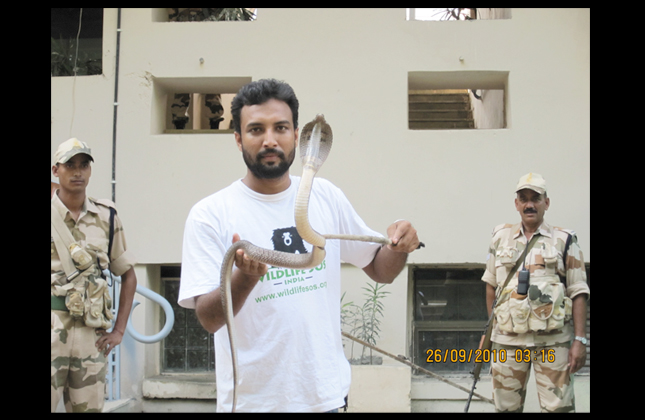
[
  {"x": 116, "y": 104},
  {"x": 113, "y": 376}
]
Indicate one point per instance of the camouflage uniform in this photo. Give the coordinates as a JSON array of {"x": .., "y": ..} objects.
[
  {"x": 530, "y": 340},
  {"x": 213, "y": 110},
  {"x": 179, "y": 110},
  {"x": 77, "y": 367}
]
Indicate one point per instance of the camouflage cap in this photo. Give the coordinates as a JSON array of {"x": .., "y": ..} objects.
[
  {"x": 69, "y": 148},
  {"x": 532, "y": 181}
]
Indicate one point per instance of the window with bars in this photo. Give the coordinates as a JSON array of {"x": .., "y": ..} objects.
[
  {"x": 76, "y": 41},
  {"x": 449, "y": 315},
  {"x": 189, "y": 347}
]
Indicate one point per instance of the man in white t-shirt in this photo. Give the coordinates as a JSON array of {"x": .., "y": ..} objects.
[{"x": 288, "y": 321}]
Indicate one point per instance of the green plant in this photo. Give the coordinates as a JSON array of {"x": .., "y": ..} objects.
[
  {"x": 349, "y": 317},
  {"x": 364, "y": 321}
]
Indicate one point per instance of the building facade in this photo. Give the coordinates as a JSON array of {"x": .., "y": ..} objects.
[{"x": 359, "y": 67}]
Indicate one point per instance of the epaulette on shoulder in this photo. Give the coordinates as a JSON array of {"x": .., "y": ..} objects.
[
  {"x": 103, "y": 202},
  {"x": 502, "y": 226},
  {"x": 567, "y": 231}
]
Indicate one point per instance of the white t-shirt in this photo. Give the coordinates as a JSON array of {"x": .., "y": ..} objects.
[{"x": 290, "y": 354}]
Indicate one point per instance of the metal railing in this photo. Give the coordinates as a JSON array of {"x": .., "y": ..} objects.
[{"x": 113, "y": 380}]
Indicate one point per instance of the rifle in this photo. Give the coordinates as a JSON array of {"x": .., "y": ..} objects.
[{"x": 486, "y": 343}]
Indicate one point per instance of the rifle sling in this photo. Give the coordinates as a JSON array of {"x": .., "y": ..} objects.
[{"x": 491, "y": 320}]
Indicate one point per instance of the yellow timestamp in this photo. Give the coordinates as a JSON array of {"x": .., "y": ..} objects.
[
  {"x": 465, "y": 356},
  {"x": 486, "y": 355},
  {"x": 539, "y": 355}
]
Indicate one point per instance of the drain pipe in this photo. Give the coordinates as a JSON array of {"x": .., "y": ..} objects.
[
  {"x": 113, "y": 375},
  {"x": 116, "y": 103}
]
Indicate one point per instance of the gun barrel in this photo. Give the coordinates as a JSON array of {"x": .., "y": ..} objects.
[
  {"x": 470, "y": 396},
  {"x": 486, "y": 344}
]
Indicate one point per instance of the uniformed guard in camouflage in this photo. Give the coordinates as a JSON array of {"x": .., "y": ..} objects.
[
  {"x": 78, "y": 367},
  {"x": 536, "y": 327},
  {"x": 213, "y": 110},
  {"x": 179, "y": 110}
]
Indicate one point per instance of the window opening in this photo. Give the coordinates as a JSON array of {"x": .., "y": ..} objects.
[
  {"x": 189, "y": 347},
  {"x": 186, "y": 14},
  {"x": 436, "y": 109},
  {"x": 457, "y": 13},
  {"x": 449, "y": 316},
  {"x": 200, "y": 112},
  {"x": 74, "y": 52},
  {"x": 453, "y": 13},
  {"x": 194, "y": 105},
  {"x": 457, "y": 100}
]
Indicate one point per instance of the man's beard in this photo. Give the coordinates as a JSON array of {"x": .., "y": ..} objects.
[{"x": 263, "y": 171}]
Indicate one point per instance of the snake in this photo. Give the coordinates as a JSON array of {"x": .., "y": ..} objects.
[{"x": 315, "y": 143}]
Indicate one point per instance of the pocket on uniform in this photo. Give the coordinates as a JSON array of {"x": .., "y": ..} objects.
[
  {"x": 107, "y": 304},
  {"x": 550, "y": 255},
  {"x": 547, "y": 310},
  {"x": 556, "y": 322},
  {"x": 507, "y": 256},
  {"x": 95, "y": 315},
  {"x": 561, "y": 314},
  {"x": 502, "y": 313},
  {"x": 519, "y": 310},
  {"x": 504, "y": 319}
]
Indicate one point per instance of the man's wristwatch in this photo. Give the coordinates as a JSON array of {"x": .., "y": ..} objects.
[{"x": 581, "y": 339}]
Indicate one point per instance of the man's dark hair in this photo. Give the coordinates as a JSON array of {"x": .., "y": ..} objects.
[{"x": 258, "y": 92}]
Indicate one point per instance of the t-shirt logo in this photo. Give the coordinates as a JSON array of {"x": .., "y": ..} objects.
[{"x": 288, "y": 240}]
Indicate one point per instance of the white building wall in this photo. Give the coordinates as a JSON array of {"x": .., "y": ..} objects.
[{"x": 352, "y": 65}]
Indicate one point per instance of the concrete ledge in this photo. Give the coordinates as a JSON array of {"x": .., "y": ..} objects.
[
  {"x": 380, "y": 389},
  {"x": 398, "y": 393},
  {"x": 129, "y": 405},
  {"x": 431, "y": 395},
  {"x": 178, "y": 406},
  {"x": 196, "y": 387}
]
